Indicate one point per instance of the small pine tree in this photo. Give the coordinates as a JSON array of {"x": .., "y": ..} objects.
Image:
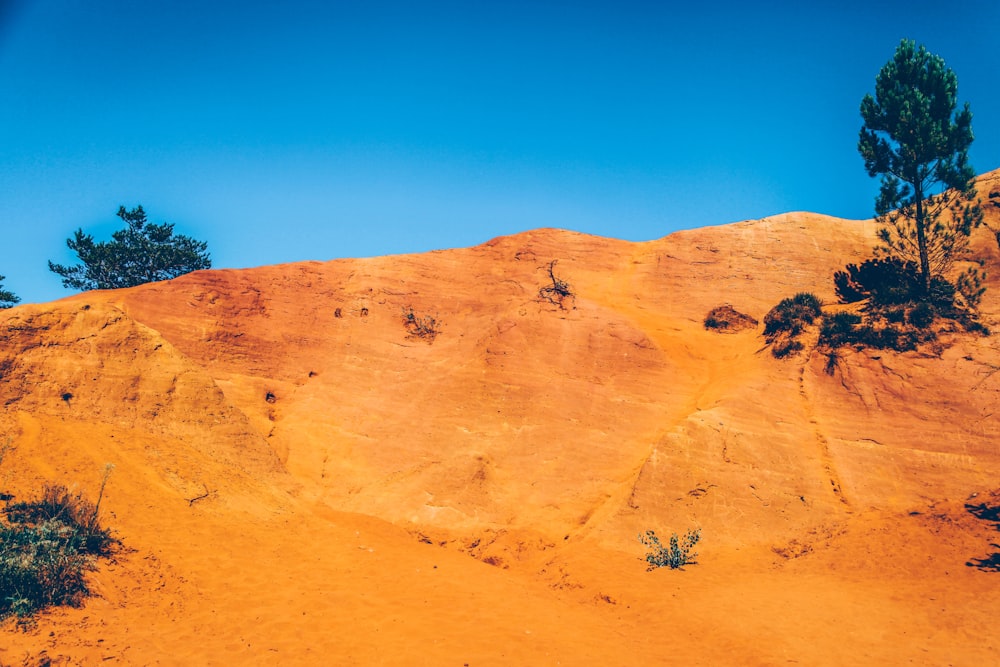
[{"x": 143, "y": 252}]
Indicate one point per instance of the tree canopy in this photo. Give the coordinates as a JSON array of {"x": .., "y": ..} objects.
[
  {"x": 7, "y": 298},
  {"x": 142, "y": 252},
  {"x": 918, "y": 144}
]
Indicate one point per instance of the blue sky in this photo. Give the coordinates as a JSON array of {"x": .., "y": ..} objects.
[{"x": 287, "y": 131}]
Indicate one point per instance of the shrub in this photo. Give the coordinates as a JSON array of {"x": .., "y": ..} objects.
[
  {"x": 785, "y": 347},
  {"x": 40, "y": 566},
  {"x": 884, "y": 281},
  {"x": 838, "y": 329},
  {"x": 557, "y": 292},
  {"x": 727, "y": 319},
  {"x": 921, "y": 315},
  {"x": 61, "y": 506},
  {"x": 894, "y": 314},
  {"x": 417, "y": 326},
  {"x": 787, "y": 320},
  {"x": 792, "y": 315},
  {"x": 47, "y": 546},
  {"x": 675, "y": 556}
]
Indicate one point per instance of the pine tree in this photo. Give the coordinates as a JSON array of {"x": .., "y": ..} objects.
[
  {"x": 915, "y": 140},
  {"x": 143, "y": 252},
  {"x": 7, "y": 298}
]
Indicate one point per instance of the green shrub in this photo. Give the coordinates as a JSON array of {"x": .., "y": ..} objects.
[
  {"x": 678, "y": 554},
  {"x": 792, "y": 315},
  {"x": 47, "y": 546},
  {"x": 838, "y": 329},
  {"x": 40, "y": 566},
  {"x": 894, "y": 314},
  {"x": 785, "y": 347},
  {"x": 76, "y": 513},
  {"x": 884, "y": 281},
  {"x": 922, "y": 315}
]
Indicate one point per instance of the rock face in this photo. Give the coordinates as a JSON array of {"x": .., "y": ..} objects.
[{"x": 302, "y": 475}]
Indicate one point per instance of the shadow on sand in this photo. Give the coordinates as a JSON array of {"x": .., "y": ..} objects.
[{"x": 990, "y": 563}]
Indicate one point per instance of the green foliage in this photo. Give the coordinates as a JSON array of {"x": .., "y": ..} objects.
[
  {"x": 969, "y": 286},
  {"x": 883, "y": 281},
  {"x": 47, "y": 547},
  {"x": 880, "y": 330},
  {"x": 7, "y": 298},
  {"x": 785, "y": 347},
  {"x": 58, "y": 504},
  {"x": 40, "y": 566},
  {"x": 784, "y": 323},
  {"x": 900, "y": 312},
  {"x": 921, "y": 315},
  {"x": 913, "y": 138},
  {"x": 792, "y": 315},
  {"x": 838, "y": 329},
  {"x": 143, "y": 252},
  {"x": 678, "y": 554}
]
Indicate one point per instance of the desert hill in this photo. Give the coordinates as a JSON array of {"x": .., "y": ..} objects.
[{"x": 303, "y": 474}]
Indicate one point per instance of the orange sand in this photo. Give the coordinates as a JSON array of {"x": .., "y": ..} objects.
[{"x": 371, "y": 498}]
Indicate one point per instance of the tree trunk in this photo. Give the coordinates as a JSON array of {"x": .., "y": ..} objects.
[{"x": 925, "y": 263}]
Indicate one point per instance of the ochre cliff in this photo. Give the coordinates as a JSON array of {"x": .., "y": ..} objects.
[{"x": 301, "y": 479}]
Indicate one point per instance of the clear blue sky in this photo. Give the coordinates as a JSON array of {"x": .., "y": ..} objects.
[{"x": 283, "y": 131}]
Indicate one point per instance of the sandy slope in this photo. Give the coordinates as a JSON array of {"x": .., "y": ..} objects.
[{"x": 298, "y": 481}]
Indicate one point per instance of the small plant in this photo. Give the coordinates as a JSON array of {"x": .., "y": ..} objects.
[
  {"x": 425, "y": 327},
  {"x": 678, "y": 554},
  {"x": 558, "y": 291},
  {"x": 47, "y": 546}
]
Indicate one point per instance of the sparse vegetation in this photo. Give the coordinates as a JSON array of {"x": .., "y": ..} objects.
[
  {"x": 897, "y": 313},
  {"x": 47, "y": 547},
  {"x": 558, "y": 291},
  {"x": 727, "y": 319},
  {"x": 677, "y": 554},
  {"x": 424, "y": 327}
]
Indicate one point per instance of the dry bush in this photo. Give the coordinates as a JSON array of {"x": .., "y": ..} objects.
[{"x": 726, "y": 319}]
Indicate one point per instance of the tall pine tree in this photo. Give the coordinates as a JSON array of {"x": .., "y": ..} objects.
[{"x": 916, "y": 141}]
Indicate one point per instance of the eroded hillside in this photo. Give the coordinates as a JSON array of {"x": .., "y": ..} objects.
[{"x": 300, "y": 477}]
